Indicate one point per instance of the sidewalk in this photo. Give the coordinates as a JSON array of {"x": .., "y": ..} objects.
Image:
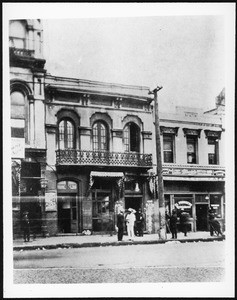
[{"x": 78, "y": 241}]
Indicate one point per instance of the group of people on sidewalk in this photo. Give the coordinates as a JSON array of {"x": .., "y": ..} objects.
[
  {"x": 172, "y": 220},
  {"x": 134, "y": 222},
  {"x": 183, "y": 217}
]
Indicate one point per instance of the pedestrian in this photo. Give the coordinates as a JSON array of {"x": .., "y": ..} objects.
[
  {"x": 26, "y": 226},
  {"x": 211, "y": 217},
  {"x": 167, "y": 221},
  {"x": 130, "y": 221},
  {"x": 215, "y": 226},
  {"x": 173, "y": 224},
  {"x": 120, "y": 225},
  {"x": 139, "y": 222},
  {"x": 184, "y": 217}
]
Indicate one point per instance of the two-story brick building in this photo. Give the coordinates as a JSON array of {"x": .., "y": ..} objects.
[{"x": 81, "y": 148}]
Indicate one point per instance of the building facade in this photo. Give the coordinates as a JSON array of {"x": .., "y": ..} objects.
[{"x": 82, "y": 149}]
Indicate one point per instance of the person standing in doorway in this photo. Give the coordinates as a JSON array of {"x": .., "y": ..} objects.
[
  {"x": 130, "y": 220},
  {"x": 139, "y": 222},
  {"x": 173, "y": 224},
  {"x": 120, "y": 225},
  {"x": 26, "y": 226}
]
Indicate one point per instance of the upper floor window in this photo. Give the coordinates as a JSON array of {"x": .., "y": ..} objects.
[
  {"x": 66, "y": 134},
  {"x": 100, "y": 136},
  {"x": 168, "y": 148},
  {"x": 132, "y": 137},
  {"x": 17, "y": 105},
  {"x": 192, "y": 150},
  {"x": 17, "y": 34},
  {"x": 212, "y": 151}
]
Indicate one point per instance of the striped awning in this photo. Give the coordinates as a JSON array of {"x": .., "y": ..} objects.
[{"x": 106, "y": 174}]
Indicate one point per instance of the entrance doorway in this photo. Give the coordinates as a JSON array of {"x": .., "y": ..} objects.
[
  {"x": 201, "y": 217},
  {"x": 68, "y": 207},
  {"x": 133, "y": 202}
]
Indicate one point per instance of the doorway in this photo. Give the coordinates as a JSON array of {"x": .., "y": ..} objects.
[
  {"x": 201, "y": 217},
  {"x": 133, "y": 202}
]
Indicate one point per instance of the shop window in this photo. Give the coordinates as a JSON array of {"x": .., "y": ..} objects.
[
  {"x": 66, "y": 134},
  {"x": 215, "y": 203},
  {"x": 212, "y": 151},
  {"x": 191, "y": 150},
  {"x": 100, "y": 136},
  {"x": 168, "y": 148},
  {"x": 185, "y": 203},
  {"x": 132, "y": 137}
]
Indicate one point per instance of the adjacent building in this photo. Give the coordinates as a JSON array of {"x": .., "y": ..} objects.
[{"x": 81, "y": 149}]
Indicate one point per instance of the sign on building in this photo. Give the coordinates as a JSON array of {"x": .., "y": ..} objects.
[
  {"x": 18, "y": 147},
  {"x": 50, "y": 202}
]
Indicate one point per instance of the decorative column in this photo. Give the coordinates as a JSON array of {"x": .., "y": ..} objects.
[{"x": 31, "y": 118}]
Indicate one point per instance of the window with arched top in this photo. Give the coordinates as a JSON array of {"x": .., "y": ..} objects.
[
  {"x": 17, "y": 33},
  {"x": 18, "y": 105},
  {"x": 66, "y": 134},
  {"x": 132, "y": 137},
  {"x": 100, "y": 136}
]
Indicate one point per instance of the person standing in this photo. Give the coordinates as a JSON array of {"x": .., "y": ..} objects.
[
  {"x": 139, "y": 222},
  {"x": 173, "y": 224},
  {"x": 26, "y": 226},
  {"x": 120, "y": 225},
  {"x": 184, "y": 217},
  {"x": 130, "y": 220}
]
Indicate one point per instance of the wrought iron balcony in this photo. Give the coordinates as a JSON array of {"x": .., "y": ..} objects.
[{"x": 102, "y": 158}]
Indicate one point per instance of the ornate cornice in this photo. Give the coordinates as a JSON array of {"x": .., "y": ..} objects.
[
  {"x": 169, "y": 130},
  {"x": 194, "y": 132}
]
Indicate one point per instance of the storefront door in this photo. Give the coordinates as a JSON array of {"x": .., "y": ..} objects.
[
  {"x": 68, "y": 207},
  {"x": 133, "y": 202},
  {"x": 201, "y": 217}
]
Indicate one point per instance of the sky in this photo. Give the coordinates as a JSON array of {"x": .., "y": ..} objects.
[{"x": 183, "y": 54}]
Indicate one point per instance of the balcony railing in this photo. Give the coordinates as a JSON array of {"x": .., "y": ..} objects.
[
  {"x": 102, "y": 158},
  {"x": 22, "y": 52}
]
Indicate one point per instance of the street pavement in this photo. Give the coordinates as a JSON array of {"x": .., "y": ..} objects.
[{"x": 78, "y": 241}]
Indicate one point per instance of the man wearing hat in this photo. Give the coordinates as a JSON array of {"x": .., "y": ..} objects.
[
  {"x": 26, "y": 226},
  {"x": 130, "y": 220},
  {"x": 120, "y": 224}
]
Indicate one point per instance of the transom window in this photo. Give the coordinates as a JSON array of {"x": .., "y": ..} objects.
[
  {"x": 132, "y": 137},
  {"x": 100, "y": 136},
  {"x": 66, "y": 134}
]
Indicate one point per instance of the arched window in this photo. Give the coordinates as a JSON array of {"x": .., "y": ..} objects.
[
  {"x": 17, "y": 105},
  {"x": 17, "y": 34},
  {"x": 132, "y": 137},
  {"x": 66, "y": 134},
  {"x": 100, "y": 136}
]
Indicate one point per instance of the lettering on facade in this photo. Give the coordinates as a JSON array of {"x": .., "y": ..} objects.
[
  {"x": 183, "y": 204},
  {"x": 18, "y": 147}
]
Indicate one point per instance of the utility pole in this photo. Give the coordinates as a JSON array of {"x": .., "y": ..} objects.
[{"x": 160, "y": 188}]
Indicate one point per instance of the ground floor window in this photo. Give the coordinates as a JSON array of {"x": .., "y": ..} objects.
[{"x": 102, "y": 210}]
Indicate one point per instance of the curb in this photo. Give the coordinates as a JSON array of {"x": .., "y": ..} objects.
[{"x": 106, "y": 244}]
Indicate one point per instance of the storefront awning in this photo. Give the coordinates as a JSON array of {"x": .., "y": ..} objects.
[{"x": 106, "y": 174}]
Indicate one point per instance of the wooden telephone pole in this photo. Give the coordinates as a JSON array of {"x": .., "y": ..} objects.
[{"x": 160, "y": 189}]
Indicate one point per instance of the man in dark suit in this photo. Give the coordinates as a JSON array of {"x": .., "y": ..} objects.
[{"x": 120, "y": 225}]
